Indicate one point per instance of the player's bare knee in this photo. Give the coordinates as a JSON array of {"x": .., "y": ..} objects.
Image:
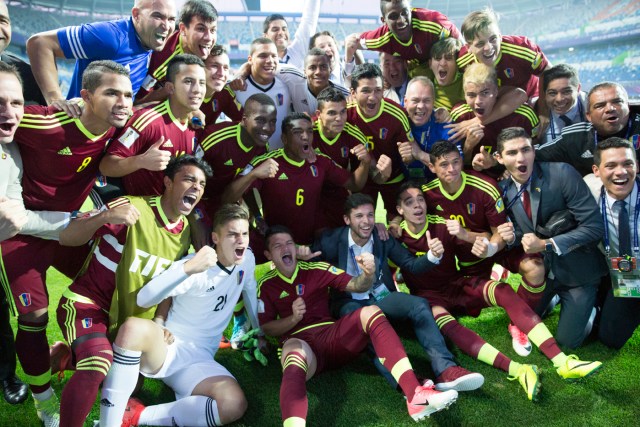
[
  {"x": 136, "y": 333},
  {"x": 232, "y": 406},
  {"x": 366, "y": 313},
  {"x": 293, "y": 344}
]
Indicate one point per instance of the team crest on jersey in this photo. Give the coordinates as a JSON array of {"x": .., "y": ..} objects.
[
  {"x": 300, "y": 289},
  {"x": 383, "y": 133},
  {"x": 87, "y": 322},
  {"x": 215, "y": 105},
  {"x": 314, "y": 170},
  {"x": 280, "y": 99},
  {"x": 509, "y": 73},
  {"x": 25, "y": 299},
  {"x": 499, "y": 205},
  {"x": 101, "y": 180},
  {"x": 418, "y": 48},
  {"x": 345, "y": 152},
  {"x": 471, "y": 208},
  {"x": 240, "y": 276},
  {"x": 129, "y": 137}
]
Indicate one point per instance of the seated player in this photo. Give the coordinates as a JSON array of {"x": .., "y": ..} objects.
[
  {"x": 449, "y": 293},
  {"x": 294, "y": 307},
  {"x": 204, "y": 287},
  {"x": 138, "y": 237}
]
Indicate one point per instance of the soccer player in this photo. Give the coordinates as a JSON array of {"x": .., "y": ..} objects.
[
  {"x": 607, "y": 114},
  {"x": 219, "y": 98},
  {"x": 385, "y": 125},
  {"x": 60, "y": 157},
  {"x": 229, "y": 147},
  {"x": 138, "y": 238},
  {"x": 570, "y": 252},
  {"x": 156, "y": 133},
  {"x": 616, "y": 166},
  {"x": 289, "y": 184},
  {"x": 263, "y": 64},
  {"x": 275, "y": 28},
  {"x": 326, "y": 41},
  {"x": 204, "y": 287},
  {"x": 294, "y": 307},
  {"x": 128, "y": 42},
  {"x": 407, "y": 32},
  {"x": 395, "y": 76},
  {"x": 196, "y": 35},
  {"x": 447, "y": 79},
  {"x": 342, "y": 245},
  {"x": 517, "y": 60},
  {"x": 449, "y": 291}
]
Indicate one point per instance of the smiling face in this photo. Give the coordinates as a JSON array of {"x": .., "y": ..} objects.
[
  {"x": 11, "y": 106},
  {"x": 608, "y": 110},
  {"x": 217, "y": 70},
  {"x": 361, "y": 221},
  {"x": 183, "y": 192},
  {"x": 259, "y": 122},
  {"x": 517, "y": 156},
  {"x": 561, "y": 95},
  {"x": 298, "y": 140},
  {"x": 187, "y": 91},
  {"x": 199, "y": 36},
  {"x": 418, "y": 102},
  {"x": 317, "y": 69},
  {"x": 279, "y": 33},
  {"x": 397, "y": 16},
  {"x": 368, "y": 96},
  {"x": 329, "y": 46},
  {"x": 281, "y": 250},
  {"x": 486, "y": 46},
  {"x": 264, "y": 63},
  {"x": 481, "y": 97},
  {"x": 110, "y": 104},
  {"x": 231, "y": 240},
  {"x": 154, "y": 20},
  {"x": 413, "y": 207},
  {"x": 332, "y": 116},
  {"x": 444, "y": 68},
  {"x": 617, "y": 171},
  {"x": 394, "y": 69}
]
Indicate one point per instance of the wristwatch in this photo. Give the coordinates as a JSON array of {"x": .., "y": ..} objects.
[{"x": 548, "y": 246}]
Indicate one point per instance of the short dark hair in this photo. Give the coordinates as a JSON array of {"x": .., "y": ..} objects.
[
  {"x": 312, "y": 40},
  {"x": 174, "y": 64},
  {"x": 612, "y": 142},
  {"x": 507, "y": 134},
  {"x": 441, "y": 148},
  {"x": 259, "y": 41},
  {"x": 560, "y": 71},
  {"x": 177, "y": 163},
  {"x": 11, "y": 69},
  {"x": 606, "y": 85},
  {"x": 229, "y": 212},
  {"x": 95, "y": 71},
  {"x": 269, "y": 19},
  {"x": 217, "y": 50},
  {"x": 364, "y": 71},
  {"x": 273, "y": 230},
  {"x": 287, "y": 123},
  {"x": 406, "y": 186},
  {"x": 201, "y": 8},
  {"x": 448, "y": 46},
  {"x": 316, "y": 51},
  {"x": 356, "y": 200},
  {"x": 260, "y": 99},
  {"x": 330, "y": 94}
]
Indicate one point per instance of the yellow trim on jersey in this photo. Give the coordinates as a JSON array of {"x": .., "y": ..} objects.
[
  {"x": 317, "y": 126},
  {"x": 212, "y": 139},
  {"x": 161, "y": 71},
  {"x": 315, "y": 325},
  {"x": 460, "y": 111},
  {"x": 94, "y": 363},
  {"x": 428, "y": 26},
  {"x": 528, "y": 112},
  {"x": 268, "y": 155},
  {"x": 518, "y": 51},
  {"x": 405, "y": 226},
  {"x": 355, "y": 132},
  {"x": 398, "y": 113},
  {"x": 385, "y": 39},
  {"x": 166, "y": 223},
  {"x": 72, "y": 296},
  {"x": 365, "y": 119},
  {"x": 88, "y": 133},
  {"x": 150, "y": 115},
  {"x": 466, "y": 59},
  {"x": 70, "y": 319},
  {"x": 39, "y": 121},
  {"x": 483, "y": 185}
]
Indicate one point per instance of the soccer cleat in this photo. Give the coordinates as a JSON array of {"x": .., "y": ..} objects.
[
  {"x": 428, "y": 400},
  {"x": 520, "y": 341},
  {"x": 132, "y": 412},
  {"x": 459, "y": 379},
  {"x": 48, "y": 411},
  {"x": 575, "y": 368},
  {"x": 60, "y": 359},
  {"x": 529, "y": 380},
  {"x": 240, "y": 328}
]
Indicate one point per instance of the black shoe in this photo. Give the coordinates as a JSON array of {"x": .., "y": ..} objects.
[{"x": 15, "y": 391}]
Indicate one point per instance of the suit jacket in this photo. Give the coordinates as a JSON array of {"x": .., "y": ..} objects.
[
  {"x": 555, "y": 187},
  {"x": 334, "y": 245}
]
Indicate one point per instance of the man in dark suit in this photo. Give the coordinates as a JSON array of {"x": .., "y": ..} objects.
[
  {"x": 534, "y": 193},
  {"x": 341, "y": 246}
]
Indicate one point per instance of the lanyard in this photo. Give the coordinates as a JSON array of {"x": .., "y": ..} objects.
[
  {"x": 580, "y": 115},
  {"x": 607, "y": 245},
  {"x": 518, "y": 194},
  {"x": 625, "y": 137},
  {"x": 355, "y": 263}
]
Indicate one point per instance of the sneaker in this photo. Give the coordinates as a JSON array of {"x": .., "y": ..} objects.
[
  {"x": 240, "y": 327},
  {"x": 428, "y": 400},
  {"x": 132, "y": 412},
  {"x": 48, "y": 411},
  {"x": 459, "y": 379},
  {"x": 529, "y": 380},
  {"x": 520, "y": 341},
  {"x": 60, "y": 359},
  {"x": 224, "y": 342},
  {"x": 574, "y": 368}
]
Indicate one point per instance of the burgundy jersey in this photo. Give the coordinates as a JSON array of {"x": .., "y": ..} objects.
[
  {"x": 60, "y": 159},
  {"x": 98, "y": 283},
  {"x": 523, "y": 117},
  {"x": 222, "y": 102},
  {"x": 292, "y": 197},
  {"x": 477, "y": 206},
  {"x": 157, "y": 70},
  {"x": 428, "y": 27},
  {"x": 310, "y": 281},
  {"x": 519, "y": 60},
  {"x": 383, "y": 132},
  {"x": 228, "y": 155},
  {"x": 146, "y": 127}
]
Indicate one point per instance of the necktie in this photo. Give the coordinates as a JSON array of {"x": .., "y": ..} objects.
[
  {"x": 566, "y": 120},
  {"x": 526, "y": 203},
  {"x": 624, "y": 234}
]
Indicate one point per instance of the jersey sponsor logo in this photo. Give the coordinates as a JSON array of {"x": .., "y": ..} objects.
[
  {"x": 129, "y": 137},
  {"x": 148, "y": 265},
  {"x": 439, "y": 208},
  {"x": 283, "y": 177},
  {"x": 499, "y": 205},
  {"x": 229, "y": 162},
  {"x": 587, "y": 154},
  {"x": 383, "y": 133},
  {"x": 66, "y": 151},
  {"x": 537, "y": 61},
  {"x": 240, "y": 276},
  {"x": 280, "y": 99},
  {"x": 25, "y": 299},
  {"x": 300, "y": 289},
  {"x": 314, "y": 170},
  {"x": 167, "y": 144},
  {"x": 211, "y": 289},
  {"x": 87, "y": 322},
  {"x": 509, "y": 73},
  {"x": 471, "y": 208},
  {"x": 284, "y": 294}
]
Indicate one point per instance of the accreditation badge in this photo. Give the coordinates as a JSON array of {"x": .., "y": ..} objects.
[
  {"x": 625, "y": 277},
  {"x": 379, "y": 291}
]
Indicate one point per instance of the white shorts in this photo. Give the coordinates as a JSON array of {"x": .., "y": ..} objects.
[{"x": 186, "y": 366}]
